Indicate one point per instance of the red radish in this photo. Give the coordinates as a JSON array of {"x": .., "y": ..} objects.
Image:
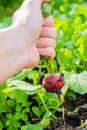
[{"x": 53, "y": 82}]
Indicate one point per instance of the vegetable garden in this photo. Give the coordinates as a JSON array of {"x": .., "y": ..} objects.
[{"x": 25, "y": 104}]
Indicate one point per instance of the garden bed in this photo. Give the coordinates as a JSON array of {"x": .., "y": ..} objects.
[{"x": 74, "y": 120}]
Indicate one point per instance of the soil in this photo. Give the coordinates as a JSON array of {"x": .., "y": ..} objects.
[{"x": 74, "y": 120}]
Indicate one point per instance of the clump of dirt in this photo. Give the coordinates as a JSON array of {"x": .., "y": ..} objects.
[{"x": 73, "y": 119}]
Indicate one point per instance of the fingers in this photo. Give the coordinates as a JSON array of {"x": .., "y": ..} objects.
[
  {"x": 48, "y": 32},
  {"x": 47, "y": 29},
  {"x": 46, "y": 42},
  {"x": 48, "y": 22},
  {"x": 49, "y": 51}
]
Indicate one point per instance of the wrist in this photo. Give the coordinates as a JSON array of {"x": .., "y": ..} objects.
[{"x": 10, "y": 59}]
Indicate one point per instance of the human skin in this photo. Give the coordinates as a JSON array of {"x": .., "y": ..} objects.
[{"x": 29, "y": 36}]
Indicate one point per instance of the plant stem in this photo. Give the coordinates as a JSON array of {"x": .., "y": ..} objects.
[
  {"x": 51, "y": 66},
  {"x": 48, "y": 64},
  {"x": 41, "y": 97},
  {"x": 63, "y": 115}
]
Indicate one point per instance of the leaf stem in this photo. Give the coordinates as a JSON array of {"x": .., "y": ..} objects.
[
  {"x": 63, "y": 115},
  {"x": 41, "y": 97}
]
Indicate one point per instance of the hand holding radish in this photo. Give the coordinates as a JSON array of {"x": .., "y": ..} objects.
[{"x": 30, "y": 21}]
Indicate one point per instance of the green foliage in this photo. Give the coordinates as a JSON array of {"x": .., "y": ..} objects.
[
  {"x": 78, "y": 82},
  {"x": 24, "y": 104},
  {"x": 46, "y": 9},
  {"x": 34, "y": 127}
]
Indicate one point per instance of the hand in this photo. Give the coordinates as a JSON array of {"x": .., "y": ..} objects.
[{"x": 29, "y": 19}]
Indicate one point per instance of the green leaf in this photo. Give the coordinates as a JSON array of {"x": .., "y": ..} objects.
[
  {"x": 2, "y": 95},
  {"x": 47, "y": 114},
  {"x": 24, "y": 117},
  {"x": 83, "y": 47},
  {"x": 3, "y": 107},
  {"x": 35, "y": 75},
  {"x": 70, "y": 45},
  {"x": 1, "y": 125},
  {"x": 64, "y": 56},
  {"x": 78, "y": 82},
  {"x": 26, "y": 110},
  {"x": 59, "y": 110},
  {"x": 16, "y": 117},
  {"x": 11, "y": 104},
  {"x": 45, "y": 122},
  {"x": 34, "y": 127},
  {"x": 9, "y": 116},
  {"x": 18, "y": 108},
  {"x": 24, "y": 127},
  {"x": 3, "y": 86},
  {"x": 21, "y": 85},
  {"x": 8, "y": 122},
  {"x": 36, "y": 111},
  {"x": 82, "y": 43},
  {"x": 21, "y": 97}
]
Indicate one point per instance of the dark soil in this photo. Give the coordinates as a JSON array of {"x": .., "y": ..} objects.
[{"x": 74, "y": 120}]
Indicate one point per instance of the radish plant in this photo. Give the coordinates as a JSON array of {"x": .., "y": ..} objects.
[{"x": 24, "y": 103}]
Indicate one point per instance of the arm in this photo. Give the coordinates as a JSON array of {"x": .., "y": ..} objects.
[{"x": 12, "y": 55}]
